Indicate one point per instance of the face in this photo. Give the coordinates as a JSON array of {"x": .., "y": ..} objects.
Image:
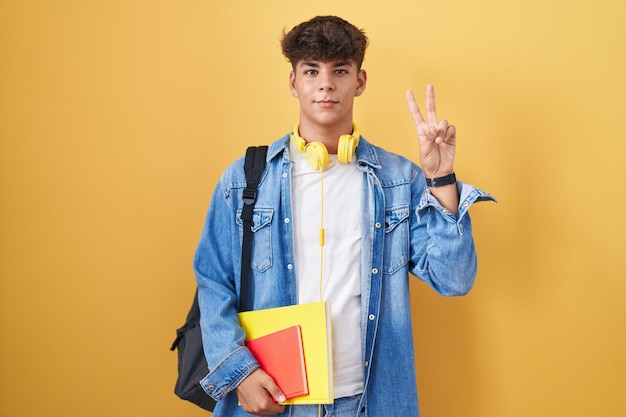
[{"x": 326, "y": 91}]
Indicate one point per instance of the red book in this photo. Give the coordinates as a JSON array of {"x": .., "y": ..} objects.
[{"x": 281, "y": 355}]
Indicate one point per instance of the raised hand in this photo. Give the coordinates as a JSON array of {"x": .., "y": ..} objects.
[{"x": 437, "y": 140}]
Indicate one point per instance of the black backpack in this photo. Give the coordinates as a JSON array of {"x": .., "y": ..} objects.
[{"x": 192, "y": 365}]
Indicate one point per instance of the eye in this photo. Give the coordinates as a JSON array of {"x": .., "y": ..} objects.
[
  {"x": 341, "y": 71},
  {"x": 310, "y": 72}
]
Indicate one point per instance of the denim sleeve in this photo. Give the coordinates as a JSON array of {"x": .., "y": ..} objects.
[
  {"x": 443, "y": 252},
  {"x": 216, "y": 263}
]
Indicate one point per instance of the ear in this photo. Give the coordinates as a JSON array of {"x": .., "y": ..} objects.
[
  {"x": 361, "y": 80},
  {"x": 292, "y": 84}
]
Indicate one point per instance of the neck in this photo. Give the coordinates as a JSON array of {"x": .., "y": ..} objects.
[{"x": 328, "y": 135}]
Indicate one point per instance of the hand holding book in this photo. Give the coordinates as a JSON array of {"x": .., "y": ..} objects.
[
  {"x": 255, "y": 394},
  {"x": 281, "y": 355}
]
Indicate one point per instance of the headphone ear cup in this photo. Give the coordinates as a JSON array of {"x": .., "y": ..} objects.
[
  {"x": 346, "y": 148},
  {"x": 316, "y": 155}
]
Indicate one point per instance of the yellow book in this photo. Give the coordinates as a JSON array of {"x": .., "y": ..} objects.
[{"x": 314, "y": 320}]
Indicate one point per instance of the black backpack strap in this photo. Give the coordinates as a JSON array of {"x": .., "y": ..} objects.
[{"x": 254, "y": 166}]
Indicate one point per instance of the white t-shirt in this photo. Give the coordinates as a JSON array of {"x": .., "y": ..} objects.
[{"x": 341, "y": 275}]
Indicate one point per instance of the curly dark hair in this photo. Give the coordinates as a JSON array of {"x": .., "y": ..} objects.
[{"x": 325, "y": 38}]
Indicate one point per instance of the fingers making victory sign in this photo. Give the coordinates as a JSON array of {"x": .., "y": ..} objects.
[{"x": 437, "y": 140}]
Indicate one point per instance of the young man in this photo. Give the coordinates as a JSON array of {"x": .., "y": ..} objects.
[{"x": 383, "y": 218}]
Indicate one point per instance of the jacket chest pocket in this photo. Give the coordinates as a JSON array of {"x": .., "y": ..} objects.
[
  {"x": 396, "y": 244},
  {"x": 261, "y": 257}
]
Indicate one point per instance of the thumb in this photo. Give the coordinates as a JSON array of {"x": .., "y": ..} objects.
[{"x": 274, "y": 391}]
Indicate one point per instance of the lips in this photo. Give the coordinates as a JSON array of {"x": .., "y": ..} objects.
[{"x": 326, "y": 103}]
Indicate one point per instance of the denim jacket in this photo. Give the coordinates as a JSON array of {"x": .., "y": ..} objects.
[{"x": 405, "y": 230}]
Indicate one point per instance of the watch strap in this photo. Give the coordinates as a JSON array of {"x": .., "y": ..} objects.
[{"x": 441, "y": 181}]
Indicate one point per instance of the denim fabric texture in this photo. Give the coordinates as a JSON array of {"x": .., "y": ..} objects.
[
  {"x": 342, "y": 407},
  {"x": 405, "y": 231}
]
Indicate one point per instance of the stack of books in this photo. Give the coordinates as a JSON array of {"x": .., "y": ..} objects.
[{"x": 293, "y": 345}]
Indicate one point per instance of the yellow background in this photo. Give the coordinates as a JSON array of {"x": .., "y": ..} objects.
[{"x": 116, "y": 118}]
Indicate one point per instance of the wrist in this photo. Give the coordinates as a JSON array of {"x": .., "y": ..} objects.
[{"x": 441, "y": 181}]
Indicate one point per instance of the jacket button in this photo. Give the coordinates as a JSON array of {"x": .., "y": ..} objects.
[
  {"x": 372, "y": 317},
  {"x": 375, "y": 271},
  {"x": 211, "y": 387}
]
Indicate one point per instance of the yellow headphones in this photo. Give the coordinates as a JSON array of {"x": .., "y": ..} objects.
[{"x": 316, "y": 153}]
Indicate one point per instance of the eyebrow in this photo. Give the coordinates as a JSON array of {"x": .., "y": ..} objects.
[
  {"x": 337, "y": 64},
  {"x": 310, "y": 64}
]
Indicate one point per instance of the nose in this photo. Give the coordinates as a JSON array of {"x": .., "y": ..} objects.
[{"x": 326, "y": 82}]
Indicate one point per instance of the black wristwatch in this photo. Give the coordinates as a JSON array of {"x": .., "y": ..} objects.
[{"x": 441, "y": 181}]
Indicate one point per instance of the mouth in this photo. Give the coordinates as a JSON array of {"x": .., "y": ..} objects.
[{"x": 326, "y": 103}]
